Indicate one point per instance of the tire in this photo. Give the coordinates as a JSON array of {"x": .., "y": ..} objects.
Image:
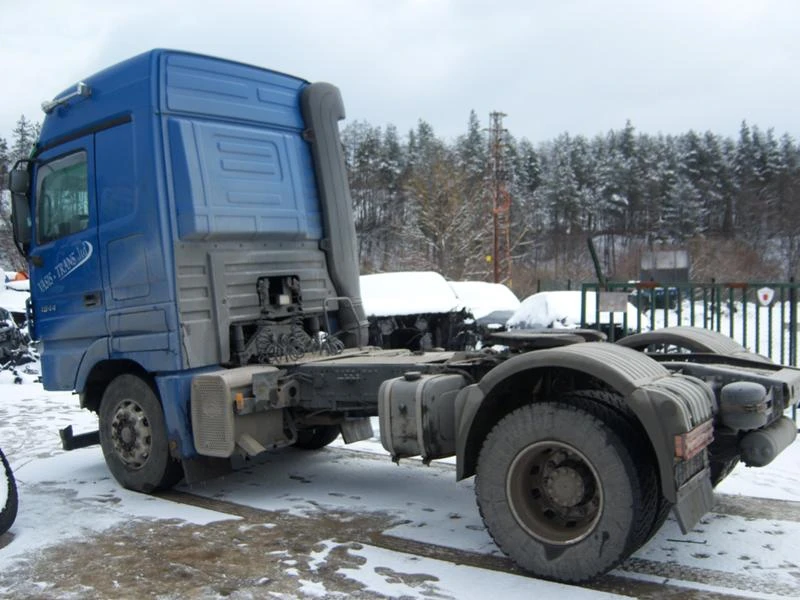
[
  {"x": 623, "y": 420},
  {"x": 561, "y": 493},
  {"x": 316, "y": 437},
  {"x": 134, "y": 437},
  {"x": 8, "y": 512}
]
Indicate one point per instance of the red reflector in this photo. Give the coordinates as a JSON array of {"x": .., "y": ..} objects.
[{"x": 691, "y": 443}]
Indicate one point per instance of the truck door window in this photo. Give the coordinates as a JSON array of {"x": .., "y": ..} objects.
[{"x": 62, "y": 206}]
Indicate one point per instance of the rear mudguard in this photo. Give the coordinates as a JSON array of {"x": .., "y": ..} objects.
[
  {"x": 666, "y": 404},
  {"x": 693, "y": 339}
]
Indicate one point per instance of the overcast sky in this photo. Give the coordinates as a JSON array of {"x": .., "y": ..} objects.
[{"x": 579, "y": 66}]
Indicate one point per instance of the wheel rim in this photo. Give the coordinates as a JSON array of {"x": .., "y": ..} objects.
[
  {"x": 554, "y": 492},
  {"x": 131, "y": 434}
]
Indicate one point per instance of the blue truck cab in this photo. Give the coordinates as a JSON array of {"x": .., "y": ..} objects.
[
  {"x": 166, "y": 194},
  {"x": 190, "y": 237},
  {"x": 168, "y": 157}
]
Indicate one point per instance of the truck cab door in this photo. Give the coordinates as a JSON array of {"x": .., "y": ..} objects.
[{"x": 66, "y": 285}]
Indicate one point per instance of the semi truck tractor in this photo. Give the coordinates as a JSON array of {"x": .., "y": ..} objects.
[{"x": 189, "y": 232}]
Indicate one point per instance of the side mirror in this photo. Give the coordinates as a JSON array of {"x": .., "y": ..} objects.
[
  {"x": 19, "y": 181},
  {"x": 21, "y": 222}
]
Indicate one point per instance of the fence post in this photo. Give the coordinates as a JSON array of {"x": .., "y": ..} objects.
[
  {"x": 583, "y": 305},
  {"x": 792, "y": 323},
  {"x": 713, "y": 304},
  {"x": 793, "y": 332}
]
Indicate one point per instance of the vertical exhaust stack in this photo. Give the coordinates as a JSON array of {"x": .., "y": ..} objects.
[{"x": 323, "y": 108}]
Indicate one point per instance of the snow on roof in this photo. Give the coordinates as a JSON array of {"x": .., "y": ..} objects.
[
  {"x": 482, "y": 298},
  {"x": 561, "y": 310},
  {"x": 407, "y": 293}
]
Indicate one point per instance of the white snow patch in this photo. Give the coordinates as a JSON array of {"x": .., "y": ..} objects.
[
  {"x": 395, "y": 574},
  {"x": 19, "y": 285},
  {"x": 407, "y": 293},
  {"x": 13, "y": 300},
  {"x": 312, "y": 589},
  {"x": 317, "y": 558},
  {"x": 562, "y": 310},
  {"x": 780, "y": 480},
  {"x": 730, "y": 544},
  {"x": 482, "y": 299}
]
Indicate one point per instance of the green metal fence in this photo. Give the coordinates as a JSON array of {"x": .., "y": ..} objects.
[{"x": 762, "y": 316}]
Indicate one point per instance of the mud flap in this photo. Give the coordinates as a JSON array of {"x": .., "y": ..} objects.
[
  {"x": 695, "y": 499},
  {"x": 203, "y": 468}
]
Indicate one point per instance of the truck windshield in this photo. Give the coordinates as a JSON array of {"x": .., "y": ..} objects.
[{"x": 62, "y": 207}]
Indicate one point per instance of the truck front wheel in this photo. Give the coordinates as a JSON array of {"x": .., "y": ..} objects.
[
  {"x": 560, "y": 492},
  {"x": 134, "y": 438}
]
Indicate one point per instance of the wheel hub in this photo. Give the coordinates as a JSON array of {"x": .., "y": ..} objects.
[
  {"x": 565, "y": 486},
  {"x": 131, "y": 434},
  {"x": 554, "y": 493}
]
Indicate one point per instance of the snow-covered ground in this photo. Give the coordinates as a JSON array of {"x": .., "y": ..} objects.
[{"x": 66, "y": 498}]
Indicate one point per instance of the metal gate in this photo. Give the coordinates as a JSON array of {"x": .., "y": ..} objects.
[{"x": 762, "y": 316}]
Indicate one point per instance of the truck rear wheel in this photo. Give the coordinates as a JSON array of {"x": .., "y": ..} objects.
[
  {"x": 8, "y": 496},
  {"x": 561, "y": 493},
  {"x": 134, "y": 437},
  {"x": 315, "y": 438},
  {"x": 610, "y": 408}
]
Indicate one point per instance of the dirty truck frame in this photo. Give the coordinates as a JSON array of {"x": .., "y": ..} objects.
[{"x": 189, "y": 231}]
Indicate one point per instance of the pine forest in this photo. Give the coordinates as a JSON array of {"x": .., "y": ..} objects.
[{"x": 425, "y": 203}]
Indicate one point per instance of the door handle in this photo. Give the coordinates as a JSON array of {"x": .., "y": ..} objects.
[
  {"x": 92, "y": 299},
  {"x": 37, "y": 260}
]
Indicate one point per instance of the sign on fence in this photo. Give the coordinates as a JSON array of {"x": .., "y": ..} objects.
[
  {"x": 765, "y": 296},
  {"x": 613, "y": 302}
]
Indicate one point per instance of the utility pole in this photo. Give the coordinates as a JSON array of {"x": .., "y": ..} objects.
[{"x": 501, "y": 200}]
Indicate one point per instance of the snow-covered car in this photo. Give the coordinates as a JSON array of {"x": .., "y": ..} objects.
[
  {"x": 417, "y": 310},
  {"x": 491, "y": 304},
  {"x": 562, "y": 310}
]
